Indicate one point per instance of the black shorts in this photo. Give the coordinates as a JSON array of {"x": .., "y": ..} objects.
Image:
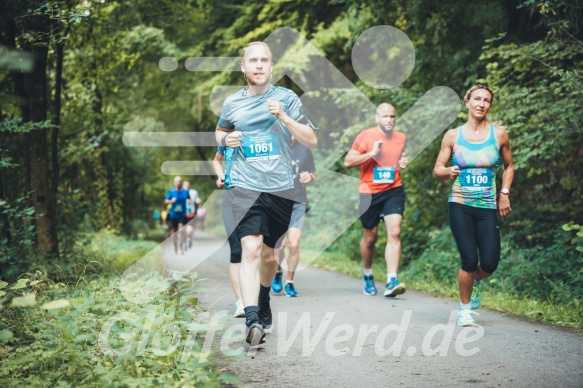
[
  {"x": 381, "y": 204},
  {"x": 267, "y": 214},
  {"x": 176, "y": 221}
]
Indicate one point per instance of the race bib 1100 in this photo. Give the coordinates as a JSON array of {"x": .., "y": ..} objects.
[
  {"x": 476, "y": 177},
  {"x": 383, "y": 175},
  {"x": 261, "y": 147}
]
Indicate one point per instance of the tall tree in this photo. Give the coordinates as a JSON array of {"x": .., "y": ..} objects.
[{"x": 36, "y": 30}]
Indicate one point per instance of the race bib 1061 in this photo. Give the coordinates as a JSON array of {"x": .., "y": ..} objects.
[
  {"x": 261, "y": 147},
  {"x": 476, "y": 177},
  {"x": 383, "y": 175}
]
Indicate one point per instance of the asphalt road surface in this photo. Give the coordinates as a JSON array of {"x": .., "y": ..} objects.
[{"x": 334, "y": 336}]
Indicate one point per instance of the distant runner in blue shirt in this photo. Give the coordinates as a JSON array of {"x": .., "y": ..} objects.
[
  {"x": 178, "y": 197},
  {"x": 257, "y": 122}
]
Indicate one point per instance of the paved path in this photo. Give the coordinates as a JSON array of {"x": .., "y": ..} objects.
[{"x": 413, "y": 344}]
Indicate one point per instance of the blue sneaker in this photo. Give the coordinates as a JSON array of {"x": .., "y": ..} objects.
[
  {"x": 476, "y": 297},
  {"x": 290, "y": 290},
  {"x": 394, "y": 288},
  {"x": 277, "y": 285},
  {"x": 369, "y": 287}
]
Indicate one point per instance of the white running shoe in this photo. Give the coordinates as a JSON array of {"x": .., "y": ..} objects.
[
  {"x": 464, "y": 317},
  {"x": 239, "y": 309}
]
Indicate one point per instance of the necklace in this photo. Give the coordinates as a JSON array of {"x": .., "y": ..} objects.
[{"x": 475, "y": 130}]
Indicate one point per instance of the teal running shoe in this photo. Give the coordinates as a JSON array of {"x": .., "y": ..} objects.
[
  {"x": 464, "y": 317},
  {"x": 394, "y": 288},
  {"x": 369, "y": 287},
  {"x": 290, "y": 290},
  {"x": 276, "y": 285},
  {"x": 476, "y": 297}
]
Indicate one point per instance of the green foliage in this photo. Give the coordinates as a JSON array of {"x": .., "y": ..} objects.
[
  {"x": 16, "y": 237},
  {"x": 11, "y": 129},
  {"x": 116, "y": 252},
  {"x": 552, "y": 273},
  {"x": 539, "y": 86},
  {"x": 77, "y": 333}
]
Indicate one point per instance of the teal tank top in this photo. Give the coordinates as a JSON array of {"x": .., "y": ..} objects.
[{"x": 478, "y": 162}]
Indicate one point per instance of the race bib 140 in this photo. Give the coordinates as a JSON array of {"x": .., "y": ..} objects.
[{"x": 383, "y": 175}]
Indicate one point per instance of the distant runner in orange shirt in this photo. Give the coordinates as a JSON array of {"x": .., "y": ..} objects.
[{"x": 380, "y": 153}]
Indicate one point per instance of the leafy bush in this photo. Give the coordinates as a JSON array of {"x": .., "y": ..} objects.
[
  {"x": 554, "y": 273},
  {"x": 115, "y": 251},
  {"x": 16, "y": 237},
  {"x": 62, "y": 334}
]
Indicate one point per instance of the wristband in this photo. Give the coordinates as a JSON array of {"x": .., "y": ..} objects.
[{"x": 224, "y": 140}]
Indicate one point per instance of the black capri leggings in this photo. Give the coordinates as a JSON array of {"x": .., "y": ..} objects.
[
  {"x": 475, "y": 229},
  {"x": 231, "y": 227}
]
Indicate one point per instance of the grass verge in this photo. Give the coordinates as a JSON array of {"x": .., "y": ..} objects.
[
  {"x": 82, "y": 331},
  {"x": 563, "y": 314}
]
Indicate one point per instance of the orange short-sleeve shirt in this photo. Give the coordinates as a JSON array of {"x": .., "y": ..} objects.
[{"x": 393, "y": 147}]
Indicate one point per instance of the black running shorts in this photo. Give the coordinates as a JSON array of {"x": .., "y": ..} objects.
[
  {"x": 381, "y": 204},
  {"x": 267, "y": 214},
  {"x": 177, "y": 221}
]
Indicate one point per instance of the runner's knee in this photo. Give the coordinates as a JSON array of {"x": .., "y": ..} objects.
[
  {"x": 489, "y": 267},
  {"x": 251, "y": 246},
  {"x": 294, "y": 248},
  {"x": 469, "y": 265},
  {"x": 395, "y": 233},
  {"x": 369, "y": 237}
]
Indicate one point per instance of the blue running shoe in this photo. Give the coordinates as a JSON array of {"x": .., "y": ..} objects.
[
  {"x": 277, "y": 285},
  {"x": 394, "y": 288},
  {"x": 290, "y": 290},
  {"x": 476, "y": 297},
  {"x": 369, "y": 287}
]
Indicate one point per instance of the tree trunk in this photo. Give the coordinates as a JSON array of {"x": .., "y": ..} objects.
[
  {"x": 5, "y": 232},
  {"x": 35, "y": 85},
  {"x": 59, "y": 51}
]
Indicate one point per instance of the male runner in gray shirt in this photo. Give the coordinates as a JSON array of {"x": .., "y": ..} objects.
[{"x": 258, "y": 122}]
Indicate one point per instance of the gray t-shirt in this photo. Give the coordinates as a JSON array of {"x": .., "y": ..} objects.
[{"x": 262, "y": 163}]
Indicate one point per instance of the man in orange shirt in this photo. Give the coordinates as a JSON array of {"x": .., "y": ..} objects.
[{"x": 380, "y": 153}]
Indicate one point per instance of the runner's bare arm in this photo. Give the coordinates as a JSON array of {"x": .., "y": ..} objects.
[
  {"x": 303, "y": 133},
  {"x": 440, "y": 171},
  {"x": 354, "y": 158},
  {"x": 508, "y": 176},
  {"x": 506, "y": 154},
  {"x": 307, "y": 177},
  {"x": 232, "y": 138},
  {"x": 218, "y": 167}
]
